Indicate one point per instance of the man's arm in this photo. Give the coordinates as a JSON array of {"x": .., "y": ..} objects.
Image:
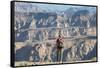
[{"x": 61, "y": 41}]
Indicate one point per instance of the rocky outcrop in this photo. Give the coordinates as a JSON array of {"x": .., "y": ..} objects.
[
  {"x": 77, "y": 50},
  {"x": 40, "y": 29}
]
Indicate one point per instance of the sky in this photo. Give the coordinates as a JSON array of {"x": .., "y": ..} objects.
[
  {"x": 54, "y": 6},
  {"x": 57, "y": 7}
]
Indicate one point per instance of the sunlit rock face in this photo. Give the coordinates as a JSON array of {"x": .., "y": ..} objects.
[
  {"x": 36, "y": 32},
  {"x": 74, "y": 50},
  {"x": 81, "y": 19}
]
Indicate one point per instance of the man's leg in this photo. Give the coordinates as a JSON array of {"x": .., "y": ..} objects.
[
  {"x": 57, "y": 55},
  {"x": 60, "y": 55}
]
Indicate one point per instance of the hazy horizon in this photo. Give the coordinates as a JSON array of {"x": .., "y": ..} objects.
[{"x": 53, "y": 7}]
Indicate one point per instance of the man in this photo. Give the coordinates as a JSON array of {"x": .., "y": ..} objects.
[{"x": 59, "y": 43}]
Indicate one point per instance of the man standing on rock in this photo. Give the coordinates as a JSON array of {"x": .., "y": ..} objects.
[{"x": 59, "y": 43}]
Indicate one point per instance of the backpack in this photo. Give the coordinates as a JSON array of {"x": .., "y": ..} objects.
[{"x": 59, "y": 44}]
